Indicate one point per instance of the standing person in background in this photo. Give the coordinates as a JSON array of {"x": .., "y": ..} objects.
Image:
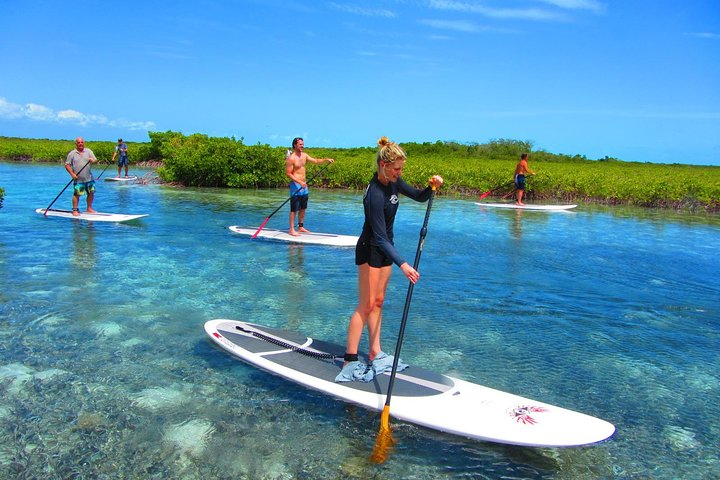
[
  {"x": 295, "y": 170},
  {"x": 375, "y": 254},
  {"x": 77, "y": 165},
  {"x": 121, "y": 151},
  {"x": 521, "y": 169}
]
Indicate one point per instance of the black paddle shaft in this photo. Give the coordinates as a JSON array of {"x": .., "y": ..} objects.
[
  {"x": 101, "y": 173},
  {"x": 68, "y": 184},
  {"x": 406, "y": 309}
]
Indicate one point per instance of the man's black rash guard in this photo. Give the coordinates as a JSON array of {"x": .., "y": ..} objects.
[{"x": 381, "y": 203}]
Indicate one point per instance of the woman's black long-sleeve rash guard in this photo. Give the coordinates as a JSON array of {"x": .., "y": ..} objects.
[{"x": 381, "y": 203}]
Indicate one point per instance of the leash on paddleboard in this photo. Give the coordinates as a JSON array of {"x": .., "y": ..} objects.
[
  {"x": 290, "y": 198},
  {"x": 63, "y": 190},
  {"x": 384, "y": 440},
  {"x": 317, "y": 354}
]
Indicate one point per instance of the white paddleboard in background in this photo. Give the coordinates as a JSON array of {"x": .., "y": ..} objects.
[
  {"x": 419, "y": 396},
  {"x": 93, "y": 217},
  {"x": 121, "y": 179},
  {"x": 329, "y": 239},
  {"x": 526, "y": 206}
]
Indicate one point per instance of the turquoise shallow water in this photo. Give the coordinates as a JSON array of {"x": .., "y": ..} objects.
[{"x": 105, "y": 370}]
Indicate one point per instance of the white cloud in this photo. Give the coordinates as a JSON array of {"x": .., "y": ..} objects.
[
  {"x": 714, "y": 36},
  {"x": 37, "y": 112},
  {"x": 10, "y": 110},
  {"x": 591, "y": 5},
  {"x": 497, "y": 13},
  {"x": 456, "y": 25},
  {"x": 41, "y": 113},
  {"x": 461, "y": 26},
  {"x": 70, "y": 115},
  {"x": 367, "y": 12}
]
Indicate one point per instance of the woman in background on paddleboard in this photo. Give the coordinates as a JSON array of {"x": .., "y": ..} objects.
[
  {"x": 77, "y": 165},
  {"x": 374, "y": 255}
]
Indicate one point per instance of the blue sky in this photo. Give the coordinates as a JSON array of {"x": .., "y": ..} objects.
[{"x": 637, "y": 80}]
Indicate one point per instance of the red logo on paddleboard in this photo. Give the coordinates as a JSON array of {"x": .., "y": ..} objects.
[{"x": 522, "y": 413}]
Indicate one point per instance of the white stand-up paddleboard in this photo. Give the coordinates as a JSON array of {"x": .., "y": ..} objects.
[
  {"x": 121, "y": 179},
  {"x": 93, "y": 217},
  {"x": 310, "y": 238},
  {"x": 526, "y": 206},
  {"x": 419, "y": 396}
]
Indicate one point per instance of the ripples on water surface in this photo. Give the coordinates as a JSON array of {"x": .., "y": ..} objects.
[{"x": 105, "y": 369}]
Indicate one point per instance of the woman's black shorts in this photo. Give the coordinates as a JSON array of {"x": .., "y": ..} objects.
[{"x": 370, "y": 254}]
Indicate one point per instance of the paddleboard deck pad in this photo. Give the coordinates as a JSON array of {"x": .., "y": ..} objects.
[
  {"x": 526, "y": 206},
  {"x": 419, "y": 396},
  {"x": 93, "y": 217},
  {"x": 121, "y": 179},
  {"x": 308, "y": 238}
]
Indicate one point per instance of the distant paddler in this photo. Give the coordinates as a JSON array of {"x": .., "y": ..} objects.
[
  {"x": 121, "y": 151},
  {"x": 521, "y": 169}
]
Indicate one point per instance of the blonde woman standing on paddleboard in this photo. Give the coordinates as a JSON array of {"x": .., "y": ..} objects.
[{"x": 375, "y": 254}]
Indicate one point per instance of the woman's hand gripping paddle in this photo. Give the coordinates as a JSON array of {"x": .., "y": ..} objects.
[
  {"x": 384, "y": 441},
  {"x": 262, "y": 225}
]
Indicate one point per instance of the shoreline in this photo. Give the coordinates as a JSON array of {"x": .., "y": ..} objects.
[{"x": 679, "y": 206}]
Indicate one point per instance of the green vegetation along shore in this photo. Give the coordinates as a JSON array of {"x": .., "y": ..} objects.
[{"x": 468, "y": 169}]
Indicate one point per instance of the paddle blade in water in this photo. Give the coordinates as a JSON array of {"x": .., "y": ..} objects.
[
  {"x": 261, "y": 227},
  {"x": 384, "y": 441}
]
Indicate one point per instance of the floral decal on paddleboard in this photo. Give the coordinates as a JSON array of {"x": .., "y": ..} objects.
[{"x": 522, "y": 414}]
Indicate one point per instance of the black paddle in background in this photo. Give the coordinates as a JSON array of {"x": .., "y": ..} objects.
[
  {"x": 384, "y": 440},
  {"x": 282, "y": 204},
  {"x": 63, "y": 190},
  {"x": 106, "y": 167}
]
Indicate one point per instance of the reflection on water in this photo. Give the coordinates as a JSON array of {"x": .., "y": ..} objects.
[
  {"x": 517, "y": 224},
  {"x": 296, "y": 288},
  {"x": 105, "y": 371},
  {"x": 83, "y": 245},
  {"x": 296, "y": 259},
  {"x": 124, "y": 199}
]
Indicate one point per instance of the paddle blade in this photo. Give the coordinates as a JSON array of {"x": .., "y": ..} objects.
[
  {"x": 261, "y": 227},
  {"x": 384, "y": 441},
  {"x": 485, "y": 194}
]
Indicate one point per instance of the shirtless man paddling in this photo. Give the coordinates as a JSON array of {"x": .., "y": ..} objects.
[
  {"x": 295, "y": 170},
  {"x": 521, "y": 169}
]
